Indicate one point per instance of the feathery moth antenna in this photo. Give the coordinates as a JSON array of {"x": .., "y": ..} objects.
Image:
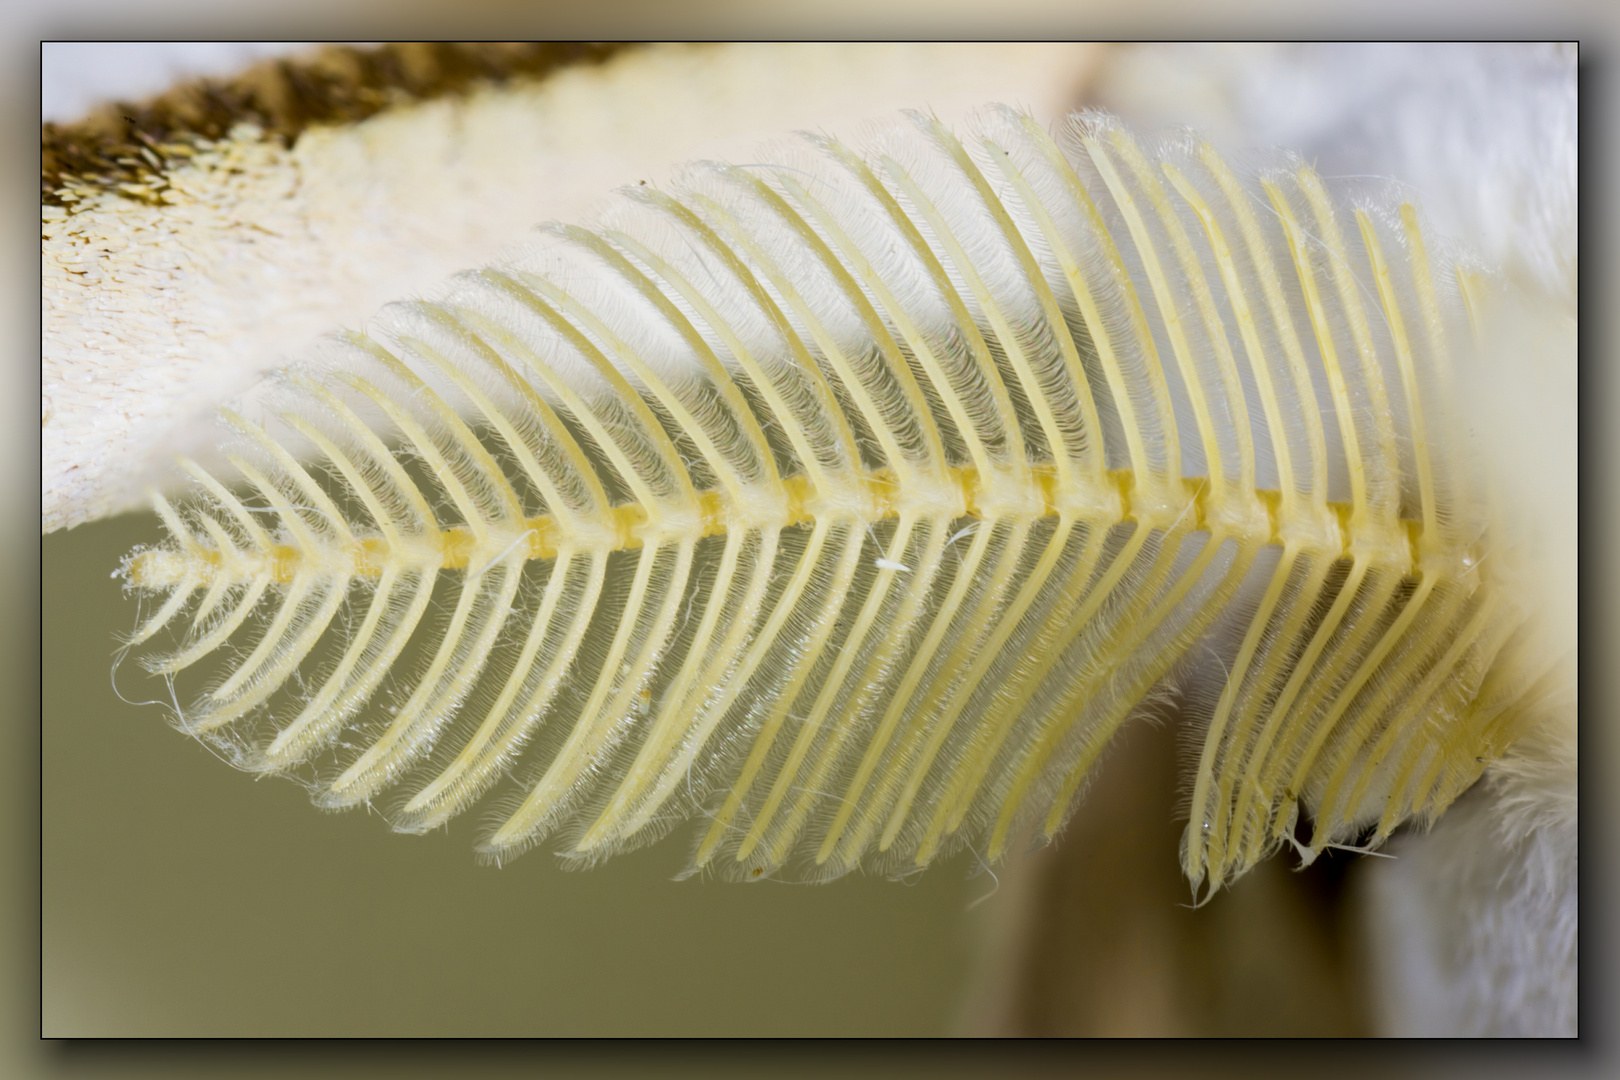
[{"x": 850, "y": 503}]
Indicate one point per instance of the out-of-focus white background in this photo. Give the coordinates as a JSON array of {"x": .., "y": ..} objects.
[{"x": 77, "y": 75}]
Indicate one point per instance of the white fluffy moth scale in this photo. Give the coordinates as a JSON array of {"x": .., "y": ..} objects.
[{"x": 848, "y": 505}]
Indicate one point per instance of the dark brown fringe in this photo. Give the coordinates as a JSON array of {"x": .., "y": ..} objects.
[{"x": 123, "y": 144}]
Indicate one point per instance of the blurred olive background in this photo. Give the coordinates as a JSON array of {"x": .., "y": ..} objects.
[{"x": 181, "y": 897}]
